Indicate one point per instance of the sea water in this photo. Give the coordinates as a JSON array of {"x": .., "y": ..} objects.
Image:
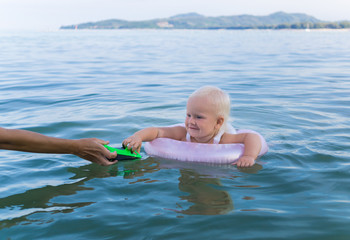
[{"x": 293, "y": 87}]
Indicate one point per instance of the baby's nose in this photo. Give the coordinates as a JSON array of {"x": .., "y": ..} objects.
[{"x": 192, "y": 120}]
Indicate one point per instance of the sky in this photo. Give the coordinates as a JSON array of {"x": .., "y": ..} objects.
[{"x": 51, "y": 14}]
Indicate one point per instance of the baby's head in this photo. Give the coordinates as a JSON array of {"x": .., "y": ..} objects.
[{"x": 220, "y": 100}]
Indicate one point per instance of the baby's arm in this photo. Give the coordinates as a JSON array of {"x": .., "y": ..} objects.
[
  {"x": 252, "y": 147},
  {"x": 134, "y": 142}
]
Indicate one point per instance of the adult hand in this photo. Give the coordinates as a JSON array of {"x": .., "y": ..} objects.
[{"x": 92, "y": 149}]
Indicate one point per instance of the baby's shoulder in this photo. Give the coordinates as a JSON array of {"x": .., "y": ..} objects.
[
  {"x": 228, "y": 138},
  {"x": 177, "y": 132}
]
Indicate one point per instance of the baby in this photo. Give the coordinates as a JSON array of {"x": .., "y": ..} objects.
[{"x": 208, "y": 110}]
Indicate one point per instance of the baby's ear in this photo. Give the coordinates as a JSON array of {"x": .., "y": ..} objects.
[{"x": 220, "y": 121}]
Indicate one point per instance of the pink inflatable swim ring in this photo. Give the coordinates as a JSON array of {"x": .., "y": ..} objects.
[{"x": 200, "y": 152}]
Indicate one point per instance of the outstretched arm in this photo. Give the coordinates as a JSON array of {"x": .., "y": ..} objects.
[
  {"x": 134, "y": 142},
  {"x": 90, "y": 149}
]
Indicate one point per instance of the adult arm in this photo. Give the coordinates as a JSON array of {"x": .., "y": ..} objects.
[{"x": 90, "y": 149}]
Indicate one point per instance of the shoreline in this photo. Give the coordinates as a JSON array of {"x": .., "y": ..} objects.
[
  {"x": 219, "y": 29},
  {"x": 169, "y": 29}
]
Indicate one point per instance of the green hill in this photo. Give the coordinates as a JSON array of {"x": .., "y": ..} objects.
[{"x": 278, "y": 20}]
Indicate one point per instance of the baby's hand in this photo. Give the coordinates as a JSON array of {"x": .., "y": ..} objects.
[
  {"x": 245, "y": 161},
  {"x": 133, "y": 143}
]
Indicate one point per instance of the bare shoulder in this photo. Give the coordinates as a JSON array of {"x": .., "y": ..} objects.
[
  {"x": 232, "y": 138},
  {"x": 175, "y": 132}
]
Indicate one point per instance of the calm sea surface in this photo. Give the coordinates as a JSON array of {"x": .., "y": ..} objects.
[{"x": 291, "y": 86}]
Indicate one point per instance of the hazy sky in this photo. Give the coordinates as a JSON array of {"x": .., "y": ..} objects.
[{"x": 51, "y": 14}]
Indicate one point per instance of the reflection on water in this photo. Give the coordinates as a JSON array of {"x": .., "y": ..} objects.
[
  {"x": 15, "y": 209},
  {"x": 200, "y": 183},
  {"x": 203, "y": 193}
]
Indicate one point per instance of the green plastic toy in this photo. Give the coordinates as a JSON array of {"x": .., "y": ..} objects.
[{"x": 123, "y": 153}]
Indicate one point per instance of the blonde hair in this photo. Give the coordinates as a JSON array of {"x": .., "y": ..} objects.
[{"x": 219, "y": 98}]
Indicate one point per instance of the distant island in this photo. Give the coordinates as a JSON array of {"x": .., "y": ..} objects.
[{"x": 278, "y": 20}]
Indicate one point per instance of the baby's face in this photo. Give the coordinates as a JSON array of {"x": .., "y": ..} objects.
[{"x": 201, "y": 120}]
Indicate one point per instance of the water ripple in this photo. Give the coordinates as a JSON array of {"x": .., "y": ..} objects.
[{"x": 291, "y": 86}]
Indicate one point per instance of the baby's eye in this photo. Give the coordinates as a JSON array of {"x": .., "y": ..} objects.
[
  {"x": 199, "y": 117},
  {"x": 188, "y": 115}
]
